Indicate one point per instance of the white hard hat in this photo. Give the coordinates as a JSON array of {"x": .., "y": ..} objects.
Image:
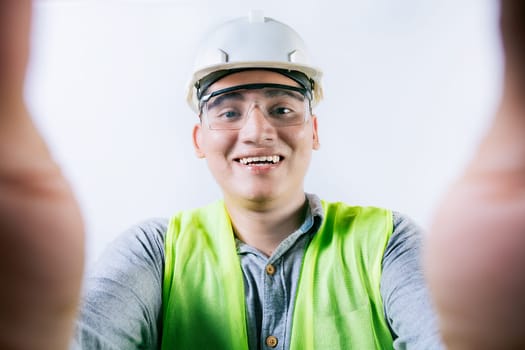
[{"x": 252, "y": 42}]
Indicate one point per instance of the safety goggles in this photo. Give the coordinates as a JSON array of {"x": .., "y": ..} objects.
[{"x": 281, "y": 105}]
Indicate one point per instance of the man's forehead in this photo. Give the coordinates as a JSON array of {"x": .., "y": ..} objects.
[
  {"x": 268, "y": 90},
  {"x": 252, "y": 77}
]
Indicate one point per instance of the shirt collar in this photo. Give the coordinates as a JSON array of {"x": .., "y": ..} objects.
[{"x": 312, "y": 222}]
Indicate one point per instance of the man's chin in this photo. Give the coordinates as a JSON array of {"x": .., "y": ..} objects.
[{"x": 254, "y": 197}]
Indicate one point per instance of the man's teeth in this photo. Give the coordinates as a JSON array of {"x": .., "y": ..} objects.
[{"x": 263, "y": 159}]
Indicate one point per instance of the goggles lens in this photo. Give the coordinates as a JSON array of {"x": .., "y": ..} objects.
[{"x": 281, "y": 105}]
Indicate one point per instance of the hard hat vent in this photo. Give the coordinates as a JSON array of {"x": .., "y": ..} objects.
[
  {"x": 223, "y": 56},
  {"x": 256, "y": 16},
  {"x": 297, "y": 56}
]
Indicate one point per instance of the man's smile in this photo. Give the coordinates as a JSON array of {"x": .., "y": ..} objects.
[{"x": 259, "y": 160}]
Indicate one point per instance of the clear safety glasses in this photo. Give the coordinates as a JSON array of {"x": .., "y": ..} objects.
[{"x": 281, "y": 105}]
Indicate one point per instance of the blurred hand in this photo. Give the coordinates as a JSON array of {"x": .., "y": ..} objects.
[
  {"x": 476, "y": 248},
  {"x": 41, "y": 231}
]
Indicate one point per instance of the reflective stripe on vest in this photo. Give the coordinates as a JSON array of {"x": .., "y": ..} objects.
[{"x": 338, "y": 303}]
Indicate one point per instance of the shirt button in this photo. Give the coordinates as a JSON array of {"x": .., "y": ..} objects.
[
  {"x": 270, "y": 269},
  {"x": 271, "y": 341}
]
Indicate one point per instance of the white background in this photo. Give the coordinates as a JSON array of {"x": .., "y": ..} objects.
[{"x": 410, "y": 86}]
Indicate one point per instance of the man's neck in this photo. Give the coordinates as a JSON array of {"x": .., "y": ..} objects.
[{"x": 265, "y": 226}]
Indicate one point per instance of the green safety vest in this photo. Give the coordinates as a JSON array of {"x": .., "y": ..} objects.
[{"x": 338, "y": 303}]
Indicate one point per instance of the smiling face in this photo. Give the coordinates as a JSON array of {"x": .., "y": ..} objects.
[{"x": 260, "y": 162}]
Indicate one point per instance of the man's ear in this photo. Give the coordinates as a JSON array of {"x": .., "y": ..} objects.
[
  {"x": 316, "y": 144},
  {"x": 197, "y": 141}
]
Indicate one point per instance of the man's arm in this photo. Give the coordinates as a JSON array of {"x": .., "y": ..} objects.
[
  {"x": 41, "y": 231},
  {"x": 122, "y": 301},
  {"x": 405, "y": 296},
  {"x": 476, "y": 250}
]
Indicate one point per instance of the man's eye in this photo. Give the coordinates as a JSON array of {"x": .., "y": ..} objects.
[
  {"x": 281, "y": 111},
  {"x": 230, "y": 114}
]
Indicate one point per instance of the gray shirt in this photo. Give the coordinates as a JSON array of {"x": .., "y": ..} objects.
[{"x": 122, "y": 302}]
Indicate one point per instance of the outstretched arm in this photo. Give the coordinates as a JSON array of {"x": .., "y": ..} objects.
[
  {"x": 475, "y": 253},
  {"x": 41, "y": 231}
]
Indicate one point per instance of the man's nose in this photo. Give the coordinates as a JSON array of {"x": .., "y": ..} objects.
[{"x": 257, "y": 128}]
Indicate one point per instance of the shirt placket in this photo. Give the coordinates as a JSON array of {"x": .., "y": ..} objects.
[{"x": 275, "y": 302}]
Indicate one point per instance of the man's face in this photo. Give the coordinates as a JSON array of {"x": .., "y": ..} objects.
[{"x": 231, "y": 153}]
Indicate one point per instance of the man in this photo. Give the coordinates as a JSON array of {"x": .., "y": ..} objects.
[
  {"x": 476, "y": 249},
  {"x": 477, "y": 283},
  {"x": 41, "y": 233},
  {"x": 39, "y": 218},
  {"x": 269, "y": 266}
]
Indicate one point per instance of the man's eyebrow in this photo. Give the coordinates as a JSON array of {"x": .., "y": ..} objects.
[
  {"x": 217, "y": 100},
  {"x": 283, "y": 92}
]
